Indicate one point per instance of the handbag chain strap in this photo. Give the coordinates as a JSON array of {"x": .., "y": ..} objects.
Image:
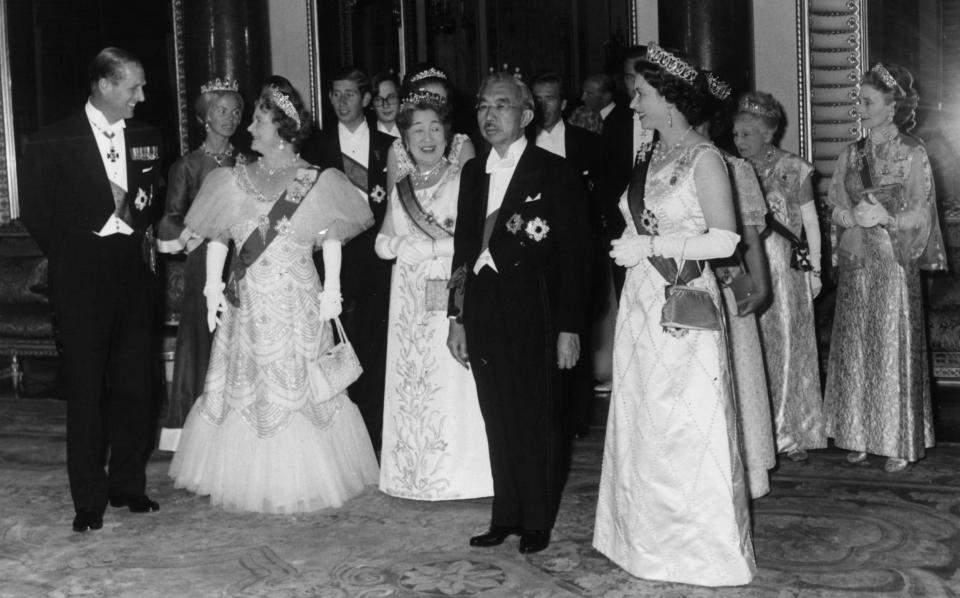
[
  {"x": 683, "y": 250},
  {"x": 340, "y": 331}
]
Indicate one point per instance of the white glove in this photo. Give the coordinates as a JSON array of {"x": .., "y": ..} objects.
[
  {"x": 868, "y": 215},
  {"x": 412, "y": 252},
  {"x": 216, "y": 303},
  {"x": 816, "y": 285},
  {"x": 386, "y": 247},
  {"x": 628, "y": 250},
  {"x": 331, "y": 304},
  {"x": 714, "y": 243}
]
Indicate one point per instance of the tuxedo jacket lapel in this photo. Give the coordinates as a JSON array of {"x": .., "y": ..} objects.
[
  {"x": 520, "y": 182},
  {"x": 89, "y": 160}
]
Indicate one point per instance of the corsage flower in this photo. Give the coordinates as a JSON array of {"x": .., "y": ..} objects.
[
  {"x": 537, "y": 229},
  {"x": 514, "y": 224}
]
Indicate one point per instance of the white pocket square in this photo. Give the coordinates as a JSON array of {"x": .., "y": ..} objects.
[
  {"x": 529, "y": 199},
  {"x": 148, "y": 169}
]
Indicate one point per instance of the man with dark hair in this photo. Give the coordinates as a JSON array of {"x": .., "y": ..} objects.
[
  {"x": 89, "y": 189},
  {"x": 361, "y": 153},
  {"x": 521, "y": 261}
]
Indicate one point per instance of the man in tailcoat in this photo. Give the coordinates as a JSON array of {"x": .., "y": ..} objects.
[
  {"x": 522, "y": 260},
  {"x": 90, "y": 187},
  {"x": 360, "y": 152}
]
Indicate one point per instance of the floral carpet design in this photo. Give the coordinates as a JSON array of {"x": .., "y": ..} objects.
[{"x": 828, "y": 528}]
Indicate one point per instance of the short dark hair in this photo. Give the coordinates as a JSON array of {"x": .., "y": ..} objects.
[
  {"x": 110, "y": 63},
  {"x": 352, "y": 73},
  {"x": 287, "y": 127},
  {"x": 689, "y": 98},
  {"x": 414, "y": 103},
  {"x": 382, "y": 77},
  {"x": 549, "y": 78}
]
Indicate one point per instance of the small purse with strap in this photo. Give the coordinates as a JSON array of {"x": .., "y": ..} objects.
[
  {"x": 337, "y": 368},
  {"x": 689, "y": 307}
]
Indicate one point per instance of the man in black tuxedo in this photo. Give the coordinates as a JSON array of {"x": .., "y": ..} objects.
[
  {"x": 90, "y": 186},
  {"x": 584, "y": 150},
  {"x": 522, "y": 260},
  {"x": 361, "y": 153}
]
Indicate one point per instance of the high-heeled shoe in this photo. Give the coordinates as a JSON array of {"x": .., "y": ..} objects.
[
  {"x": 856, "y": 457},
  {"x": 894, "y": 465}
]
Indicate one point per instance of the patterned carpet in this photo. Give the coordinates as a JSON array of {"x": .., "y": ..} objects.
[{"x": 828, "y": 529}]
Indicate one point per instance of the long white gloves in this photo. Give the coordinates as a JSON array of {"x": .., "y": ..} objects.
[
  {"x": 412, "y": 251},
  {"x": 630, "y": 249},
  {"x": 213, "y": 287},
  {"x": 331, "y": 301}
]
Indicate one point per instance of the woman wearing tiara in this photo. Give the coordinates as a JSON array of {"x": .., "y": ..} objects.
[
  {"x": 434, "y": 440},
  {"x": 259, "y": 438},
  {"x": 433, "y": 80},
  {"x": 882, "y": 201},
  {"x": 747, "y": 362},
  {"x": 787, "y": 328},
  {"x": 672, "y": 504},
  {"x": 218, "y": 108}
]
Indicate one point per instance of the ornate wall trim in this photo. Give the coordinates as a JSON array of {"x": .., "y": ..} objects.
[
  {"x": 9, "y": 205},
  {"x": 313, "y": 62},
  {"x": 180, "y": 72}
]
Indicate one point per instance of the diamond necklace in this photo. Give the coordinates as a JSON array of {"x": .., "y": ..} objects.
[
  {"x": 660, "y": 154},
  {"x": 269, "y": 172},
  {"x": 218, "y": 157},
  {"x": 420, "y": 178}
]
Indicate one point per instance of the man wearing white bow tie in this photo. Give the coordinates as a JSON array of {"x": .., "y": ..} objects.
[
  {"x": 90, "y": 194},
  {"x": 520, "y": 282}
]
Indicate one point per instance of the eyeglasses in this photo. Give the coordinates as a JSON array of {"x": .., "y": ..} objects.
[{"x": 390, "y": 100}]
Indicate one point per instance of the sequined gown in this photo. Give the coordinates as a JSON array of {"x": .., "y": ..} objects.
[
  {"x": 194, "y": 340},
  {"x": 257, "y": 439},
  {"x": 434, "y": 440},
  {"x": 749, "y": 371},
  {"x": 877, "y": 397},
  {"x": 787, "y": 328},
  {"x": 673, "y": 503}
]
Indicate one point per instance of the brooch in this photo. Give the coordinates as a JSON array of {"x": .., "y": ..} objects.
[
  {"x": 514, "y": 223},
  {"x": 537, "y": 229}
]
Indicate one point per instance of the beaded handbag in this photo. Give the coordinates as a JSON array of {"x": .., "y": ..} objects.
[{"x": 336, "y": 369}]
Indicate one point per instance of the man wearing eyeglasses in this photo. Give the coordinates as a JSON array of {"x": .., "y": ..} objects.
[
  {"x": 386, "y": 102},
  {"x": 521, "y": 261},
  {"x": 361, "y": 153}
]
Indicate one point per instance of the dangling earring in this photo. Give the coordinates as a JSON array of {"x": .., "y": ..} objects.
[
  {"x": 670, "y": 118},
  {"x": 206, "y": 126},
  {"x": 281, "y": 145}
]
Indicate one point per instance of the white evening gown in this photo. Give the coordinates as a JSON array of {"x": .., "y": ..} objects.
[
  {"x": 673, "y": 503},
  {"x": 434, "y": 441}
]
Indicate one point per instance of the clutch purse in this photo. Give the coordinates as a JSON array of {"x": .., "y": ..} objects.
[
  {"x": 336, "y": 369},
  {"x": 436, "y": 295},
  {"x": 689, "y": 308}
]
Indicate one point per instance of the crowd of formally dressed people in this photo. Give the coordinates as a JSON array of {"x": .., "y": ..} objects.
[{"x": 387, "y": 301}]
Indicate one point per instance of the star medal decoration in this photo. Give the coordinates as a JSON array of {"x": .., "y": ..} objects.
[
  {"x": 142, "y": 200},
  {"x": 537, "y": 229},
  {"x": 514, "y": 224},
  {"x": 378, "y": 194}
]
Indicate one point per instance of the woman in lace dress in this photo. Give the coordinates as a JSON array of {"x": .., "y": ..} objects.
[
  {"x": 746, "y": 352},
  {"x": 877, "y": 398},
  {"x": 787, "y": 328},
  {"x": 259, "y": 438},
  {"x": 218, "y": 109},
  {"x": 673, "y": 503},
  {"x": 434, "y": 443}
]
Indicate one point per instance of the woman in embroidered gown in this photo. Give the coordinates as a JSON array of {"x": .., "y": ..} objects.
[
  {"x": 259, "y": 439},
  {"x": 877, "y": 398},
  {"x": 787, "y": 328},
  {"x": 432, "y": 80},
  {"x": 434, "y": 441},
  {"x": 749, "y": 371},
  {"x": 218, "y": 109},
  {"x": 672, "y": 504}
]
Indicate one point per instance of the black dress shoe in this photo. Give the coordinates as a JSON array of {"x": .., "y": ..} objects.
[
  {"x": 87, "y": 518},
  {"x": 493, "y": 537},
  {"x": 534, "y": 541},
  {"x": 137, "y": 503}
]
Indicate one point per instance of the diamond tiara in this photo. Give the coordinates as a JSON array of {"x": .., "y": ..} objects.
[
  {"x": 281, "y": 101},
  {"x": 422, "y": 97},
  {"x": 670, "y": 63},
  {"x": 719, "y": 88},
  {"x": 218, "y": 84},
  {"x": 430, "y": 73},
  {"x": 886, "y": 77},
  {"x": 748, "y": 106}
]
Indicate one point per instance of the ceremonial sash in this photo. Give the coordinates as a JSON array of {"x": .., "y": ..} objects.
[
  {"x": 666, "y": 266},
  {"x": 423, "y": 220},
  {"x": 258, "y": 240},
  {"x": 357, "y": 173}
]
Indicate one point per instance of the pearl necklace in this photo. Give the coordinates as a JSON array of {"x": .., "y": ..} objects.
[
  {"x": 422, "y": 178},
  {"x": 660, "y": 154},
  {"x": 269, "y": 172}
]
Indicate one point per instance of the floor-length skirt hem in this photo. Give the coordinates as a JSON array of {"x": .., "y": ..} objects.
[
  {"x": 300, "y": 469},
  {"x": 737, "y": 575}
]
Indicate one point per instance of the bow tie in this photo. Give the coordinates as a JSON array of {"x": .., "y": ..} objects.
[{"x": 496, "y": 164}]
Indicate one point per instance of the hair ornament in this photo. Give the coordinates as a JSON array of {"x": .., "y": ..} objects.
[
  {"x": 718, "y": 88},
  {"x": 886, "y": 77},
  {"x": 218, "y": 84},
  {"x": 422, "y": 97},
  {"x": 670, "y": 63},
  {"x": 430, "y": 73},
  {"x": 749, "y": 106},
  {"x": 282, "y": 101}
]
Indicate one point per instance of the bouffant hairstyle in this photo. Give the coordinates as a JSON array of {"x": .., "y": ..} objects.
[
  {"x": 902, "y": 94},
  {"x": 425, "y": 101},
  {"x": 688, "y": 98},
  {"x": 205, "y": 100},
  {"x": 274, "y": 89},
  {"x": 763, "y": 107}
]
